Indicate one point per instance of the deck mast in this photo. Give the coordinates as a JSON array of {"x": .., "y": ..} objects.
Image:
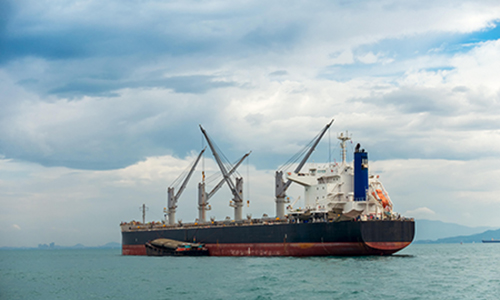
[
  {"x": 236, "y": 189},
  {"x": 203, "y": 197},
  {"x": 343, "y": 138},
  {"x": 172, "y": 197}
]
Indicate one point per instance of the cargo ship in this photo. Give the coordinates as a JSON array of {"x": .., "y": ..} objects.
[
  {"x": 491, "y": 241},
  {"x": 347, "y": 212}
]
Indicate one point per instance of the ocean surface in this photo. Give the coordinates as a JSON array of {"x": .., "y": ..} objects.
[{"x": 438, "y": 271}]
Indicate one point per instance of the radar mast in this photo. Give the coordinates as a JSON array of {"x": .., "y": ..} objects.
[{"x": 343, "y": 138}]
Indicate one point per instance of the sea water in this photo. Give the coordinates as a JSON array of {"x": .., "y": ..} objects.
[{"x": 438, "y": 271}]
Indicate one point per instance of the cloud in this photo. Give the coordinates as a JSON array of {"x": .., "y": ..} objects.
[
  {"x": 421, "y": 213},
  {"x": 84, "y": 206},
  {"x": 279, "y": 73},
  {"x": 195, "y": 84},
  {"x": 73, "y": 49},
  {"x": 442, "y": 118},
  {"x": 368, "y": 58},
  {"x": 450, "y": 188},
  {"x": 94, "y": 133},
  {"x": 411, "y": 100},
  {"x": 92, "y": 90}
]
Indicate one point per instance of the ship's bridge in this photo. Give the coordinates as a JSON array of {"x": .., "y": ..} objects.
[{"x": 325, "y": 184}]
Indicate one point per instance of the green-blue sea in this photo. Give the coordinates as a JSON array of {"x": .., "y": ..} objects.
[{"x": 434, "y": 271}]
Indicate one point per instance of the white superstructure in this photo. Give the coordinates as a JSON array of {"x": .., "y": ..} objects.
[{"x": 329, "y": 192}]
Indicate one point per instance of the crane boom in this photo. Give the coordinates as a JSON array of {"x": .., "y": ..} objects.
[
  {"x": 306, "y": 157},
  {"x": 282, "y": 186},
  {"x": 203, "y": 197},
  {"x": 236, "y": 189},
  {"x": 222, "y": 167},
  {"x": 172, "y": 197},
  {"x": 219, "y": 185},
  {"x": 183, "y": 186}
]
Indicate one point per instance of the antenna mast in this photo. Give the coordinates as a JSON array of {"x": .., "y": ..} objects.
[{"x": 343, "y": 138}]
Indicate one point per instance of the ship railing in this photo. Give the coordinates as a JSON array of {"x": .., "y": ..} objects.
[{"x": 138, "y": 226}]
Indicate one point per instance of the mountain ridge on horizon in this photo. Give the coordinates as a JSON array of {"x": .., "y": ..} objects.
[
  {"x": 432, "y": 230},
  {"x": 473, "y": 238}
]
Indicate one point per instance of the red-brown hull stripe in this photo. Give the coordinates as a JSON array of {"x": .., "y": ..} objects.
[
  {"x": 291, "y": 249},
  {"x": 133, "y": 250}
]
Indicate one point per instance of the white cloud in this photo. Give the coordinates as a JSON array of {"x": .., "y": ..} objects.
[
  {"x": 421, "y": 213},
  {"x": 477, "y": 68},
  {"x": 368, "y": 58},
  {"x": 462, "y": 192},
  {"x": 343, "y": 58}
]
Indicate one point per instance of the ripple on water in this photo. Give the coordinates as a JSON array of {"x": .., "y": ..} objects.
[{"x": 452, "y": 271}]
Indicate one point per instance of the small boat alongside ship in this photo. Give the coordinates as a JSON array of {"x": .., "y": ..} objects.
[
  {"x": 168, "y": 247},
  {"x": 347, "y": 211}
]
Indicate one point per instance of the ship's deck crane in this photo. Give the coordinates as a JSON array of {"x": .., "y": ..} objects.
[
  {"x": 172, "y": 197},
  {"x": 282, "y": 186},
  {"x": 203, "y": 197},
  {"x": 236, "y": 188}
]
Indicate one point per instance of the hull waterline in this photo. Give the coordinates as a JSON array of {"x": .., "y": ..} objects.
[{"x": 309, "y": 239}]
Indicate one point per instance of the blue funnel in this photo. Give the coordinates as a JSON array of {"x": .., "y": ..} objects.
[{"x": 360, "y": 175}]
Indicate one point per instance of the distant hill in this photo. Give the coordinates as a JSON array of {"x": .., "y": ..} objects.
[
  {"x": 474, "y": 238},
  {"x": 433, "y": 230},
  {"x": 111, "y": 245}
]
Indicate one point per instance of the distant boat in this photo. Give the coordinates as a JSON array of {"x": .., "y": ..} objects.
[{"x": 491, "y": 241}]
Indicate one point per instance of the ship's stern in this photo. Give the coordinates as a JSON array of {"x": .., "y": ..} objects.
[{"x": 385, "y": 237}]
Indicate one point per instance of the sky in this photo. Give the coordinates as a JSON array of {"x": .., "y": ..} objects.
[{"x": 101, "y": 103}]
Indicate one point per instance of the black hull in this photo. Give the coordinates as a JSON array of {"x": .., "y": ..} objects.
[{"x": 377, "y": 237}]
